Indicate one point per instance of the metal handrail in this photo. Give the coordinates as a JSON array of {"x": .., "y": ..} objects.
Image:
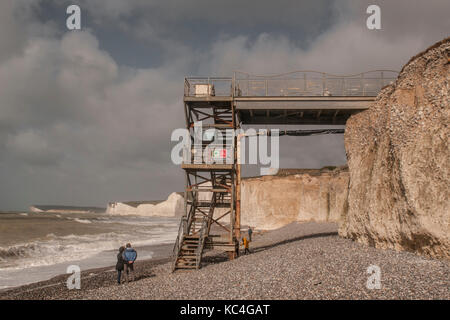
[
  {"x": 310, "y": 83},
  {"x": 201, "y": 242},
  {"x": 191, "y": 214},
  {"x": 312, "y": 71},
  {"x": 177, "y": 245},
  {"x": 216, "y": 86},
  {"x": 204, "y": 230}
]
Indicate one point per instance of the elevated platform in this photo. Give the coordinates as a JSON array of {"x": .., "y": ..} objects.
[
  {"x": 300, "y": 97},
  {"x": 207, "y": 167},
  {"x": 299, "y": 110},
  {"x": 286, "y": 110}
]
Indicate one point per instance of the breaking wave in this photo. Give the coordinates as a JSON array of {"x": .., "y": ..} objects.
[
  {"x": 82, "y": 220},
  {"x": 58, "y": 249}
]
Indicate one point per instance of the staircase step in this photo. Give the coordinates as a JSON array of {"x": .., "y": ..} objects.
[
  {"x": 183, "y": 259},
  {"x": 191, "y": 262}
]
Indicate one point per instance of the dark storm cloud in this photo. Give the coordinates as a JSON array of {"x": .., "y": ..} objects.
[{"x": 86, "y": 117}]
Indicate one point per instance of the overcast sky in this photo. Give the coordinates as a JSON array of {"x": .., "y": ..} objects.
[{"x": 86, "y": 116}]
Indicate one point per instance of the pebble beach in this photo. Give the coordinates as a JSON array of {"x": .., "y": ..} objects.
[{"x": 298, "y": 261}]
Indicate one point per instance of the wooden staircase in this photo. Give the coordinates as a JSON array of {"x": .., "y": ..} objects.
[
  {"x": 209, "y": 182},
  {"x": 187, "y": 257},
  {"x": 192, "y": 234}
]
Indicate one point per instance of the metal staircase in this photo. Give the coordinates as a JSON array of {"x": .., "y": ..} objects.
[
  {"x": 210, "y": 175},
  {"x": 212, "y": 194},
  {"x": 190, "y": 242}
]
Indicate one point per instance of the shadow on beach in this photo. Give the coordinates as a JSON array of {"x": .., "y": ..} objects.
[{"x": 220, "y": 257}]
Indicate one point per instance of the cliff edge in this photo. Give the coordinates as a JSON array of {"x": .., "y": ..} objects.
[{"x": 398, "y": 157}]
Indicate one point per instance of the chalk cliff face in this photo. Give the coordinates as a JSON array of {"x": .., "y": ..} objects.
[
  {"x": 271, "y": 202},
  {"x": 399, "y": 161},
  {"x": 173, "y": 206}
]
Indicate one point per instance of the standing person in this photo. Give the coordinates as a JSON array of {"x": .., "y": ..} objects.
[
  {"x": 119, "y": 264},
  {"x": 250, "y": 232},
  {"x": 129, "y": 256},
  {"x": 245, "y": 242}
]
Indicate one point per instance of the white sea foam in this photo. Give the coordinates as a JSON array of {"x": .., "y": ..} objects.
[
  {"x": 82, "y": 220},
  {"x": 59, "y": 249}
]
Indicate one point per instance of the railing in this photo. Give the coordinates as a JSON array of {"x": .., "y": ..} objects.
[
  {"x": 179, "y": 241},
  {"x": 312, "y": 83},
  {"x": 183, "y": 229},
  {"x": 297, "y": 83},
  {"x": 210, "y": 86},
  {"x": 191, "y": 213},
  {"x": 204, "y": 231},
  {"x": 201, "y": 242}
]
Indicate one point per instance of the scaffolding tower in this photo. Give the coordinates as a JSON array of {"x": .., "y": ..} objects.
[{"x": 212, "y": 194}]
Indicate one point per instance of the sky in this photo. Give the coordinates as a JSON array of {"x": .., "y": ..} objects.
[{"x": 86, "y": 116}]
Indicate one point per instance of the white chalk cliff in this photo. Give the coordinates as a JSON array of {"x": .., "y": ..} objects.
[
  {"x": 172, "y": 207},
  {"x": 271, "y": 202}
]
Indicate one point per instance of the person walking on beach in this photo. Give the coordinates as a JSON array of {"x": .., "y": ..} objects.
[
  {"x": 245, "y": 242},
  {"x": 250, "y": 232},
  {"x": 120, "y": 264},
  {"x": 129, "y": 256}
]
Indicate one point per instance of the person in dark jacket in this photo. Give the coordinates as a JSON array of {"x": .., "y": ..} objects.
[
  {"x": 129, "y": 256},
  {"x": 120, "y": 264},
  {"x": 250, "y": 232}
]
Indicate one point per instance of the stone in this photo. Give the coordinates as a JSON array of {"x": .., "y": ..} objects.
[{"x": 398, "y": 157}]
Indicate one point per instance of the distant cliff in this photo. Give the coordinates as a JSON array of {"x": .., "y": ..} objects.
[
  {"x": 173, "y": 206},
  {"x": 270, "y": 202}
]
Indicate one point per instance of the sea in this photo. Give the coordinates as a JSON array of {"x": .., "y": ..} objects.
[{"x": 38, "y": 246}]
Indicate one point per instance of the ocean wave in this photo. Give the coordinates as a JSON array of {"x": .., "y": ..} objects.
[
  {"x": 58, "y": 249},
  {"x": 82, "y": 220},
  {"x": 16, "y": 251},
  {"x": 140, "y": 221}
]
